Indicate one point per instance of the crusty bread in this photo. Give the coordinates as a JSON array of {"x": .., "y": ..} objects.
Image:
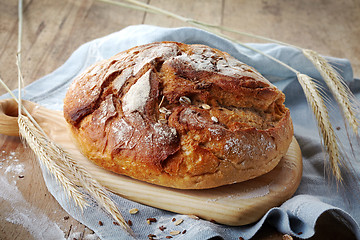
[{"x": 178, "y": 115}]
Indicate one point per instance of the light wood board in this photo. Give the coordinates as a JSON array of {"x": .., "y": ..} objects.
[{"x": 236, "y": 204}]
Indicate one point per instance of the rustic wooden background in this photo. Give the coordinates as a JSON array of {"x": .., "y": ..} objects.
[{"x": 52, "y": 30}]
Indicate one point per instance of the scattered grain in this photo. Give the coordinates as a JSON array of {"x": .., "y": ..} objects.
[
  {"x": 193, "y": 217},
  {"x": 151, "y": 236},
  {"x": 174, "y": 233},
  {"x": 178, "y": 222},
  {"x": 129, "y": 222},
  {"x": 150, "y": 220},
  {"x": 133, "y": 211}
]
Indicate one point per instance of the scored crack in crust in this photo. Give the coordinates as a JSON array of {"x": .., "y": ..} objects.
[{"x": 178, "y": 115}]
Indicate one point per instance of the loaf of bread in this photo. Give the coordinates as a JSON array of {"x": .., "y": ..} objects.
[{"x": 178, "y": 115}]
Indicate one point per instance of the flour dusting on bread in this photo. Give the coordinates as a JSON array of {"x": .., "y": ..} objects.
[{"x": 138, "y": 94}]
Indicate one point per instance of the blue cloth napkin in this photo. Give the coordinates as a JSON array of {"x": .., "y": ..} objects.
[{"x": 316, "y": 194}]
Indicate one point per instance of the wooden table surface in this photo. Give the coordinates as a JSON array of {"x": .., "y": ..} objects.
[{"x": 52, "y": 30}]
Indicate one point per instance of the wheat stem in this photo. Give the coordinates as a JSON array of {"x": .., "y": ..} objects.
[
  {"x": 154, "y": 9},
  {"x": 204, "y": 26},
  {"x": 325, "y": 128},
  {"x": 34, "y": 138},
  {"x": 18, "y": 54},
  {"x": 331, "y": 77},
  {"x": 341, "y": 93},
  {"x": 20, "y": 76},
  {"x": 56, "y": 160},
  {"x": 130, "y": 6},
  {"x": 314, "y": 98}
]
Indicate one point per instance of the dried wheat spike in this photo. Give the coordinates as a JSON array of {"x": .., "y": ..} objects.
[
  {"x": 317, "y": 104},
  {"x": 36, "y": 141},
  {"x": 338, "y": 88}
]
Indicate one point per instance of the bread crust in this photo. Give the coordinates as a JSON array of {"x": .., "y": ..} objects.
[{"x": 178, "y": 115}]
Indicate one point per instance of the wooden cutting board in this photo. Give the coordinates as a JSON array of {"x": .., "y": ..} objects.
[{"x": 235, "y": 205}]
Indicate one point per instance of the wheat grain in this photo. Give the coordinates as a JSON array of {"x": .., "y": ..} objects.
[
  {"x": 325, "y": 128},
  {"x": 133, "y": 211}
]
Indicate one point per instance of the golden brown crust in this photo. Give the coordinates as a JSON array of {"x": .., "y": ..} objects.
[{"x": 177, "y": 115}]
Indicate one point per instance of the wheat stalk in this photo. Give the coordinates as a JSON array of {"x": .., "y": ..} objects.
[
  {"x": 55, "y": 159},
  {"x": 137, "y": 5},
  {"x": 35, "y": 138},
  {"x": 321, "y": 114},
  {"x": 337, "y": 87}
]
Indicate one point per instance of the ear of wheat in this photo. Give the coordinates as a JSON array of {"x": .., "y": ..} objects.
[
  {"x": 55, "y": 159},
  {"x": 39, "y": 145},
  {"x": 326, "y": 130},
  {"x": 338, "y": 88}
]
